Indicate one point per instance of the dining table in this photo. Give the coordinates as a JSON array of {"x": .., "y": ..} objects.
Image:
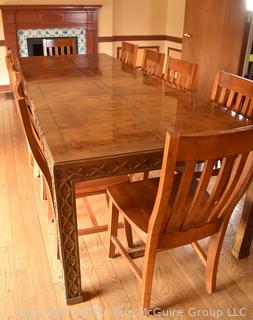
[{"x": 96, "y": 118}]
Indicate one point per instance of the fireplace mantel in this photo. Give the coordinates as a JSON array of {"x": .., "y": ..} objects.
[{"x": 17, "y": 17}]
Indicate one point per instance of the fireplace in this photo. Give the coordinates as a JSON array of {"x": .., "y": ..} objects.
[{"x": 22, "y": 22}]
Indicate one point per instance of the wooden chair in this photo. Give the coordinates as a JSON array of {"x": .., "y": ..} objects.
[
  {"x": 55, "y": 47},
  {"x": 18, "y": 93},
  {"x": 83, "y": 189},
  {"x": 179, "y": 73},
  {"x": 153, "y": 63},
  {"x": 178, "y": 209},
  {"x": 128, "y": 53},
  {"x": 233, "y": 92}
]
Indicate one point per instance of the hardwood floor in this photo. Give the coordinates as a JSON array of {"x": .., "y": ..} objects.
[{"x": 30, "y": 275}]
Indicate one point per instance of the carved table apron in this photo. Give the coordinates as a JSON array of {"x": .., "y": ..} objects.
[{"x": 99, "y": 118}]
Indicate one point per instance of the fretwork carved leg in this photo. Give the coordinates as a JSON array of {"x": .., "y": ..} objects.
[
  {"x": 244, "y": 234},
  {"x": 64, "y": 191}
]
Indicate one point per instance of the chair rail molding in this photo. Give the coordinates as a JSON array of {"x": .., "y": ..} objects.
[{"x": 154, "y": 37}]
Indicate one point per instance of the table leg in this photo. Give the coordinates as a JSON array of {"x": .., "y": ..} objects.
[
  {"x": 244, "y": 233},
  {"x": 65, "y": 202}
]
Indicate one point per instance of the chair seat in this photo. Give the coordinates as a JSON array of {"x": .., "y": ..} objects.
[
  {"x": 89, "y": 187},
  {"x": 136, "y": 197},
  {"x": 136, "y": 200}
]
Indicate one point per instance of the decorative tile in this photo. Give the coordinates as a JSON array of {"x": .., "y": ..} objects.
[{"x": 23, "y": 34}]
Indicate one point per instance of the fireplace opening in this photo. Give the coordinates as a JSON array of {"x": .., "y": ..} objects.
[{"x": 35, "y": 46}]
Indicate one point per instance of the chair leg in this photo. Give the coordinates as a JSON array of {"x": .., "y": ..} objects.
[
  {"x": 113, "y": 227},
  {"x": 58, "y": 251},
  {"x": 36, "y": 170},
  {"x": 129, "y": 234},
  {"x": 107, "y": 198},
  {"x": 43, "y": 188},
  {"x": 145, "y": 175},
  {"x": 50, "y": 210},
  {"x": 30, "y": 158},
  {"x": 213, "y": 255},
  {"x": 147, "y": 278},
  {"x": 90, "y": 212}
]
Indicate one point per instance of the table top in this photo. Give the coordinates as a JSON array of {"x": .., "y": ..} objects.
[{"x": 93, "y": 106}]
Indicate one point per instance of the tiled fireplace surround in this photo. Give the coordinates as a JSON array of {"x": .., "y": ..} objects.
[
  {"x": 50, "y": 21},
  {"x": 24, "y": 34}
]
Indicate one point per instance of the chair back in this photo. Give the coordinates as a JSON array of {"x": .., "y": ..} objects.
[
  {"x": 233, "y": 92},
  {"x": 34, "y": 141},
  {"x": 180, "y": 73},
  {"x": 194, "y": 209},
  {"x": 15, "y": 83},
  {"x": 10, "y": 66},
  {"x": 128, "y": 53},
  {"x": 55, "y": 47},
  {"x": 153, "y": 63}
]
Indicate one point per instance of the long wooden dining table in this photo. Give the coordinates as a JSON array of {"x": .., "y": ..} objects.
[{"x": 98, "y": 118}]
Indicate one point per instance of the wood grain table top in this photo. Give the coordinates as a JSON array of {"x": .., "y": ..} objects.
[{"x": 93, "y": 106}]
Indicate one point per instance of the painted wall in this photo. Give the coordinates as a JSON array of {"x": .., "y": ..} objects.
[
  {"x": 122, "y": 17},
  {"x": 175, "y": 11},
  {"x": 175, "y": 17},
  {"x": 148, "y": 17}
]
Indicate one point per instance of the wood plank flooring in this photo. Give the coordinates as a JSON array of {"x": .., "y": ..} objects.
[{"x": 31, "y": 285}]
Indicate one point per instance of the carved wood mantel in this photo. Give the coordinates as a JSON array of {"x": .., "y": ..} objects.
[{"x": 50, "y": 16}]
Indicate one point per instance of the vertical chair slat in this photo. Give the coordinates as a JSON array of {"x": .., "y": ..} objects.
[
  {"x": 215, "y": 86},
  {"x": 187, "y": 83},
  {"x": 250, "y": 110},
  {"x": 218, "y": 188},
  {"x": 172, "y": 76},
  {"x": 222, "y": 96},
  {"x": 230, "y": 99},
  {"x": 178, "y": 80},
  {"x": 177, "y": 214},
  {"x": 235, "y": 175},
  {"x": 198, "y": 199},
  {"x": 238, "y": 103},
  {"x": 245, "y": 106}
]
